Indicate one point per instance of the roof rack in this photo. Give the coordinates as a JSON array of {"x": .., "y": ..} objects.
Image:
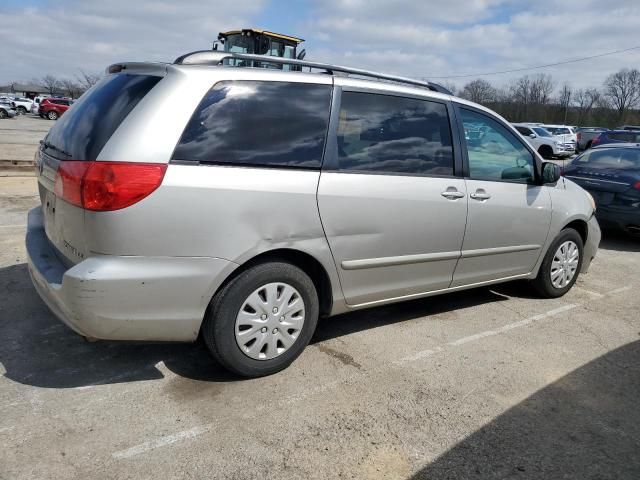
[{"x": 212, "y": 57}]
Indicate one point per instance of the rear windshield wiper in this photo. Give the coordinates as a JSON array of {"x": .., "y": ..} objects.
[{"x": 56, "y": 149}]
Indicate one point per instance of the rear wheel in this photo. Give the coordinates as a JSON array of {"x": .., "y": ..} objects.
[
  {"x": 561, "y": 265},
  {"x": 52, "y": 115},
  {"x": 545, "y": 151},
  {"x": 262, "y": 320}
]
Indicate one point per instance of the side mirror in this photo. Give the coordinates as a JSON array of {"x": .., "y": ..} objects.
[
  {"x": 533, "y": 135},
  {"x": 551, "y": 173}
]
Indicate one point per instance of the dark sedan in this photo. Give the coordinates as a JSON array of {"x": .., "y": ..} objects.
[{"x": 611, "y": 174}]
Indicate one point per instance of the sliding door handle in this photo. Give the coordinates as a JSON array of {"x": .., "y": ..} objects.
[
  {"x": 480, "y": 196},
  {"x": 452, "y": 194}
]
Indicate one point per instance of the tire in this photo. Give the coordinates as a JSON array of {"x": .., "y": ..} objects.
[
  {"x": 588, "y": 146},
  {"x": 545, "y": 151},
  {"x": 3, "y": 113},
  {"x": 52, "y": 115},
  {"x": 223, "y": 322},
  {"x": 21, "y": 111},
  {"x": 543, "y": 282}
]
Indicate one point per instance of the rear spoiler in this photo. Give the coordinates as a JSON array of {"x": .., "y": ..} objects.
[{"x": 151, "y": 68}]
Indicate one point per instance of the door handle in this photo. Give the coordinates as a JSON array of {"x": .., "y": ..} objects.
[
  {"x": 452, "y": 194},
  {"x": 480, "y": 195}
]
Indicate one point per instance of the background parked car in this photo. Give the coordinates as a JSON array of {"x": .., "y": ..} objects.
[
  {"x": 629, "y": 127},
  {"x": 585, "y": 136},
  {"x": 22, "y": 105},
  {"x": 35, "y": 107},
  {"x": 6, "y": 109},
  {"x": 52, "y": 108},
  {"x": 612, "y": 175},
  {"x": 546, "y": 144},
  {"x": 617, "y": 136},
  {"x": 565, "y": 134}
]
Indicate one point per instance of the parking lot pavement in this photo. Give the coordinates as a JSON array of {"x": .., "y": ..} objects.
[
  {"x": 484, "y": 384},
  {"x": 19, "y": 138}
]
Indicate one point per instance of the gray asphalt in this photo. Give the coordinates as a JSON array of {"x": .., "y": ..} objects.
[{"x": 486, "y": 384}]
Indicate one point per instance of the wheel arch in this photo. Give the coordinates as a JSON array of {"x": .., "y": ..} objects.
[
  {"x": 306, "y": 262},
  {"x": 581, "y": 227}
]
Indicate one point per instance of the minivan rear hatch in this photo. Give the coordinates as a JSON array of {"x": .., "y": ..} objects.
[{"x": 79, "y": 136}]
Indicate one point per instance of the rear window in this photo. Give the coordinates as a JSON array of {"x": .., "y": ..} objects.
[
  {"x": 252, "y": 123},
  {"x": 611, "y": 158},
  {"x": 83, "y": 130}
]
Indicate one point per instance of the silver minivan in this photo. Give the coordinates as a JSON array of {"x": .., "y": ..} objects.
[{"x": 241, "y": 204}]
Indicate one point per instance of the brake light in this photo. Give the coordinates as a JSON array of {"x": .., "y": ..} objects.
[
  {"x": 596, "y": 141},
  {"x": 107, "y": 186},
  {"x": 579, "y": 135},
  {"x": 637, "y": 186}
]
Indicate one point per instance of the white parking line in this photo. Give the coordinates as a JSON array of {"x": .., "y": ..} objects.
[
  {"x": 487, "y": 333},
  {"x": 159, "y": 442},
  {"x": 619, "y": 290},
  {"x": 20, "y": 225}
]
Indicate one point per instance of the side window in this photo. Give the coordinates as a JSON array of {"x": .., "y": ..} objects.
[
  {"x": 625, "y": 137},
  {"x": 257, "y": 123},
  {"x": 495, "y": 154},
  {"x": 524, "y": 131},
  {"x": 382, "y": 133}
]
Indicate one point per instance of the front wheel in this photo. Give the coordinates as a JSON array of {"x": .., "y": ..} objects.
[
  {"x": 561, "y": 265},
  {"x": 545, "y": 151},
  {"x": 3, "y": 113},
  {"x": 52, "y": 115},
  {"x": 262, "y": 320}
]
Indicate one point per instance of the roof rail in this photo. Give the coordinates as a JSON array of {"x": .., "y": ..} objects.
[{"x": 212, "y": 57}]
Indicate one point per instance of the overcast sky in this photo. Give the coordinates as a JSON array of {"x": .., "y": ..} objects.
[{"x": 422, "y": 38}]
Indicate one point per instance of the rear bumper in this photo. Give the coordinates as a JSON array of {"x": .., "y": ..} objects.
[
  {"x": 124, "y": 298},
  {"x": 591, "y": 246}
]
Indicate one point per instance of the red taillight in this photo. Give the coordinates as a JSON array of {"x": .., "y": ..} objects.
[
  {"x": 637, "y": 186},
  {"x": 596, "y": 140},
  {"x": 579, "y": 135},
  {"x": 106, "y": 186}
]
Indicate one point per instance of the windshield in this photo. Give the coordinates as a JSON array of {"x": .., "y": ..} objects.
[
  {"x": 541, "y": 132},
  {"x": 238, "y": 44},
  {"x": 558, "y": 130},
  {"x": 611, "y": 158}
]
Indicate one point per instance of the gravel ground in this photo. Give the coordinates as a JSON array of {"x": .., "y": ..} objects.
[{"x": 485, "y": 384}]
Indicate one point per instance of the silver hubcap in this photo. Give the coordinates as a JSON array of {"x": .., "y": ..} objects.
[
  {"x": 269, "y": 321},
  {"x": 565, "y": 264}
]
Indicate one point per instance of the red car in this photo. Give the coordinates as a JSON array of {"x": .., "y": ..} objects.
[{"x": 52, "y": 108}]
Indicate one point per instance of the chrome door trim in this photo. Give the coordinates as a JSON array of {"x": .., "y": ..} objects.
[
  {"x": 481, "y": 252},
  {"x": 431, "y": 257},
  {"x": 398, "y": 260}
]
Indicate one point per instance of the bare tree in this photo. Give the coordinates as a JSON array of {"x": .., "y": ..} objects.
[
  {"x": 541, "y": 89},
  {"x": 71, "y": 87},
  {"x": 479, "y": 91},
  {"x": 564, "y": 100},
  {"x": 585, "y": 100},
  {"x": 87, "y": 80},
  {"x": 50, "y": 83},
  {"x": 622, "y": 89}
]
